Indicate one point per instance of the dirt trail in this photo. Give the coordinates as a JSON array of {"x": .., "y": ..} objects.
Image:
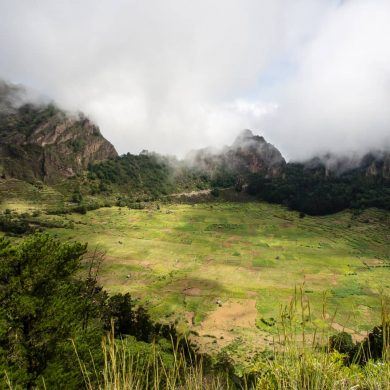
[
  {"x": 191, "y": 193},
  {"x": 222, "y": 323}
]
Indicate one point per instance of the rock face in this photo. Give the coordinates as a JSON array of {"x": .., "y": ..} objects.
[
  {"x": 376, "y": 164},
  {"x": 252, "y": 153},
  {"x": 248, "y": 154},
  {"x": 43, "y": 142},
  {"x": 372, "y": 164}
]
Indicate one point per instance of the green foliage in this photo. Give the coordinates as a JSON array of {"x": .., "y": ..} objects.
[
  {"x": 347, "y": 290},
  {"x": 223, "y": 178},
  {"x": 119, "y": 315},
  {"x": 143, "y": 173},
  {"x": 81, "y": 209},
  {"x": 27, "y": 118},
  {"x": 130, "y": 364},
  {"x": 77, "y": 197},
  {"x": 375, "y": 346},
  {"x": 314, "y": 193},
  {"x": 15, "y": 226},
  {"x": 341, "y": 342},
  {"x": 43, "y": 305},
  {"x": 148, "y": 176},
  {"x": 77, "y": 144}
]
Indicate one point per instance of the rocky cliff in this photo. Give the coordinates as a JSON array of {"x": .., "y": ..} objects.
[
  {"x": 43, "y": 142},
  {"x": 372, "y": 164},
  {"x": 248, "y": 154}
]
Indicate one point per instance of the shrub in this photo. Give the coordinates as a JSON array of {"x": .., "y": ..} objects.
[
  {"x": 81, "y": 209},
  {"x": 341, "y": 342}
]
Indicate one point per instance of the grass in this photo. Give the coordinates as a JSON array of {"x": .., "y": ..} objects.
[
  {"x": 180, "y": 259},
  {"x": 299, "y": 363},
  {"x": 126, "y": 369}
]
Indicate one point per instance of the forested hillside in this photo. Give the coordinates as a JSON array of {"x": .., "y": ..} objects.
[{"x": 317, "y": 192}]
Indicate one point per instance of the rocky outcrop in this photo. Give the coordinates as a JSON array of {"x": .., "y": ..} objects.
[
  {"x": 376, "y": 164},
  {"x": 248, "y": 154},
  {"x": 45, "y": 143},
  {"x": 372, "y": 164},
  {"x": 254, "y": 154}
]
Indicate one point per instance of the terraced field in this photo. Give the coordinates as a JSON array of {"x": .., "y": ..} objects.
[{"x": 224, "y": 270}]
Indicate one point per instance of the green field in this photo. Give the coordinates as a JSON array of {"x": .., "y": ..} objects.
[{"x": 223, "y": 270}]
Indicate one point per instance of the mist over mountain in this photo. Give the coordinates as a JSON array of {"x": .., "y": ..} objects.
[
  {"x": 311, "y": 76},
  {"x": 39, "y": 140},
  {"x": 249, "y": 153},
  {"x": 373, "y": 163}
]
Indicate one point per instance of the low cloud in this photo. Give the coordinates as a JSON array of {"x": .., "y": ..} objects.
[{"x": 175, "y": 75}]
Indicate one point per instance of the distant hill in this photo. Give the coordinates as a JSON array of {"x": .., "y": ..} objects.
[
  {"x": 40, "y": 141},
  {"x": 160, "y": 175},
  {"x": 248, "y": 154},
  {"x": 328, "y": 184}
]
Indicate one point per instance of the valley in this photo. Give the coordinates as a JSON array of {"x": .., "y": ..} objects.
[
  {"x": 223, "y": 271},
  {"x": 238, "y": 253}
]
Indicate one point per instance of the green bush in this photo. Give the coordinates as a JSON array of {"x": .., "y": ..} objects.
[{"x": 341, "y": 342}]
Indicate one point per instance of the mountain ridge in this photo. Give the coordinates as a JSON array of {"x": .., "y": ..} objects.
[
  {"x": 249, "y": 153},
  {"x": 40, "y": 142},
  {"x": 45, "y": 143}
]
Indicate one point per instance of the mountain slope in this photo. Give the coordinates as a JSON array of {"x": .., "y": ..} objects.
[
  {"x": 320, "y": 187},
  {"x": 372, "y": 164},
  {"x": 43, "y": 142},
  {"x": 248, "y": 154}
]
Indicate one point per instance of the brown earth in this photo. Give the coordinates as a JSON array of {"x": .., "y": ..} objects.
[{"x": 225, "y": 320}]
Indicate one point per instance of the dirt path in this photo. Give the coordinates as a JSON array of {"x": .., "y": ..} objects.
[
  {"x": 355, "y": 336},
  {"x": 191, "y": 193}
]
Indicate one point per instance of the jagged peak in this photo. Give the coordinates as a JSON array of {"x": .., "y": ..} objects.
[{"x": 246, "y": 137}]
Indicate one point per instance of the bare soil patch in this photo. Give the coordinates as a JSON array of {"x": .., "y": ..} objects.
[
  {"x": 192, "y": 291},
  {"x": 230, "y": 316}
]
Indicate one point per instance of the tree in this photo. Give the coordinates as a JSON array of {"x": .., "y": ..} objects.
[
  {"x": 120, "y": 314},
  {"x": 45, "y": 304},
  {"x": 42, "y": 307}
]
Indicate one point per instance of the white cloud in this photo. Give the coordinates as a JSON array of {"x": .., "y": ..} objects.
[
  {"x": 339, "y": 98},
  {"x": 178, "y": 74}
]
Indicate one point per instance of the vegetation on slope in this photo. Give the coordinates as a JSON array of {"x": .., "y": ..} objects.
[
  {"x": 179, "y": 260},
  {"x": 315, "y": 193},
  {"x": 51, "y": 317},
  {"x": 45, "y": 303},
  {"x": 182, "y": 258},
  {"x": 144, "y": 176}
]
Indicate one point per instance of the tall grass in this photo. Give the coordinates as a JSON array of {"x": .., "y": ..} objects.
[
  {"x": 301, "y": 360},
  {"x": 125, "y": 371},
  {"x": 316, "y": 370}
]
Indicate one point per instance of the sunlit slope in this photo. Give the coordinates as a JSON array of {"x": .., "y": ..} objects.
[{"x": 182, "y": 258}]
